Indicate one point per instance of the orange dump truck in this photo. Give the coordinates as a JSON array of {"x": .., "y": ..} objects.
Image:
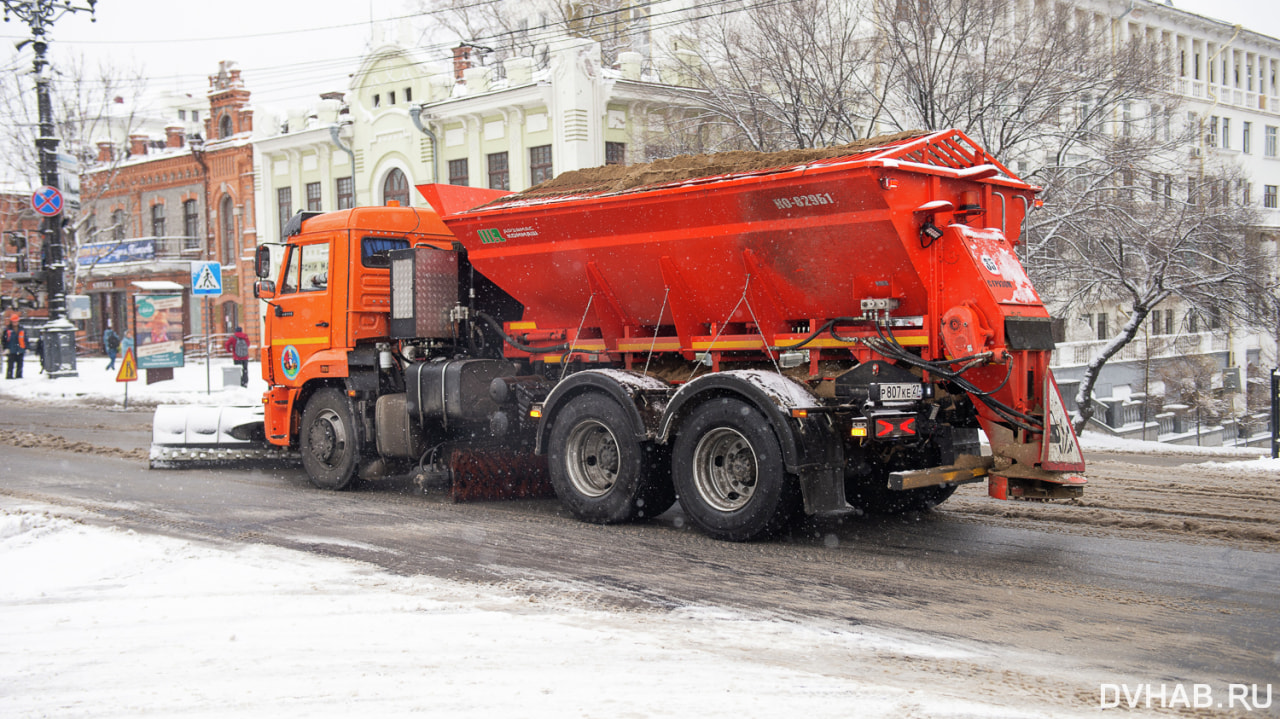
[{"x": 760, "y": 336}]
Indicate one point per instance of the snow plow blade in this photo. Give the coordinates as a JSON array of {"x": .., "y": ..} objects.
[{"x": 186, "y": 433}]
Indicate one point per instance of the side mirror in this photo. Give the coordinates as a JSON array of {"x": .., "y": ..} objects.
[
  {"x": 264, "y": 289},
  {"x": 262, "y": 261}
]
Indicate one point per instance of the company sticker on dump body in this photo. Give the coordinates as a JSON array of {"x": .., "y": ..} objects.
[
  {"x": 999, "y": 267},
  {"x": 488, "y": 237}
]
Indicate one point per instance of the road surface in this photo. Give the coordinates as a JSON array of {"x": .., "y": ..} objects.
[{"x": 1157, "y": 575}]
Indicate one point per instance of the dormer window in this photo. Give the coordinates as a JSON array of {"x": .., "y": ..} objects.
[{"x": 224, "y": 127}]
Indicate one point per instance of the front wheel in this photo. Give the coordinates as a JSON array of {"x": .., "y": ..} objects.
[
  {"x": 330, "y": 440},
  {"x": 599, "y": 471},
  {"x": 728, "y": 471}
]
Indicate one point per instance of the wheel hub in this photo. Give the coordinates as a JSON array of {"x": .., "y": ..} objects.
[
  {"x": 724, "y": 469},
  {"x": 325, "y": 438},
  {"x": 592, "y": 458}
]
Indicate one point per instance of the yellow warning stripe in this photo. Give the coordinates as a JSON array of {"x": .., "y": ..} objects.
[{"x": 300, "y": 341}]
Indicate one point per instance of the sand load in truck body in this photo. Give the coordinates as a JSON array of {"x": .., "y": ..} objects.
[{"x": 902, "y": 250}]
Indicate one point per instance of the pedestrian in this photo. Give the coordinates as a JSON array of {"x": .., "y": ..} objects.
[
  {"x": 15, "y": 346},
  {"x": 111, "y": 342},
  {"x": 238, "y": 345}
]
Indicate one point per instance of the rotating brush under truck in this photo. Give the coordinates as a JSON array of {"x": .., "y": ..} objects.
[{"x": 816, "y": 338}]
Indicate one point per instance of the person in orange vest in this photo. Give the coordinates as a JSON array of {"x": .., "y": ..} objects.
[
  {"x": 238, "y": 345},
  {"x": 15, "y": 347}
]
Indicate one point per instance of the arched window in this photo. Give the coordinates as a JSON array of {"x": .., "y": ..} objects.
[
  {"x": 224, "y": 127},
  {"x": 227, "y": 219},
  {"x": 396, "y": 187},
  {"x": 117, "y": 225}
]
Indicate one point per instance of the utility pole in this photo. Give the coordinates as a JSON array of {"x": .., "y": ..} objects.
[{"x": 58, "y": 336}]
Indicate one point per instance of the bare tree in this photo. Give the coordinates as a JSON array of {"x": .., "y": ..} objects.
[
  {"x": 1139, "y": 237},
  {"x": 90, "y": 105},
  {"x": 780, "y": 74}
]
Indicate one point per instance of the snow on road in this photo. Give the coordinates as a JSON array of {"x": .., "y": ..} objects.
[{"x": 100, "y": 622}]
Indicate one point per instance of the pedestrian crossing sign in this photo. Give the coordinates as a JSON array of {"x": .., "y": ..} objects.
[
  {"x": 206, "y": 279},
  {"x": 128, "y": 368}
]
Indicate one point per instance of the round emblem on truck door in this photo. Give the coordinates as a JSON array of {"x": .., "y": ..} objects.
[{"x": 290, "y": 362}]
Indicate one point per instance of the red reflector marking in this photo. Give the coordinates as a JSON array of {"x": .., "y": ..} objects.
[{"x": 886, "y": 428}]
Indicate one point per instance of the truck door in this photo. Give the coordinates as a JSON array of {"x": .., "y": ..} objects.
[{"x": 301, "y": 313}]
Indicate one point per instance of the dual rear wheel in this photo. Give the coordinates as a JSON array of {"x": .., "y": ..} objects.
[{"x": 725, "y": 464}]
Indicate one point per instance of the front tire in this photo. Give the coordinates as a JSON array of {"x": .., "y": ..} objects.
[
  {"x": 728, "y": 471},
  {"x": 330, "y": 440},
  {"x": 599, "y": 471}
]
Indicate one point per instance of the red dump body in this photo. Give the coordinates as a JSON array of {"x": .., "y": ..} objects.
[
  {"x": 802, "y": 243},
  {"x": 740, "y": 262}
]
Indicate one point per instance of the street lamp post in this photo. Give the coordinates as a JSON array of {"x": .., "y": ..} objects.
[{"x": 58, "y": 336}]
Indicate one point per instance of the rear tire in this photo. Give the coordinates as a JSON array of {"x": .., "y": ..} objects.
[
  {"x": 599, "y": 471},
  {"x": 330, "y": 440},
  {"x": 728, "y": 471}
]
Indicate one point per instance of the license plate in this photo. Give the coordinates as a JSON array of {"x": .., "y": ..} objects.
[{"x": 901, "y": 392}]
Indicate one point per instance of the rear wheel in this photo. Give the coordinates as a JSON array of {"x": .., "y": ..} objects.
[
  {"x": 598, "y": 469},
  {"x": 728, "y": 471},
  {"x": 330, "y": 440}
]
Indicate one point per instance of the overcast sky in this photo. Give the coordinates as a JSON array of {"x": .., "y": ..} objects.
[
  {"x": 289, "y": 51},
  {"x": 292, "y": 51}
]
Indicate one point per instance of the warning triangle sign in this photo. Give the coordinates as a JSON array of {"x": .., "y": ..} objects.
[
  {"x": 128, "y": 368},
  {"x": 206, "y": 280},
  {"x": 1061, "y": 449}
]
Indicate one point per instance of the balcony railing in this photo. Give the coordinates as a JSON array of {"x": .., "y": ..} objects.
[{"x": 1075, "y": 354}]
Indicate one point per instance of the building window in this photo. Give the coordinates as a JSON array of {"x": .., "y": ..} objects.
[
  {"x": 191, "y": 225},
  {"x": 182, "y": 115},
  {"x": 391, "y": 97},
  {"x": 195, "y": 116},
  {"x": 1269, "y": 198},
  {"x": 284, "y": 205},
  {"x": 499, "y": 174},
  {"x": 540, "y": 164},
  {"x": 157, "y": 220},
  {"x": 377, "y": 100},
  {"x": 1226, "y": 133},
  {"x": 408, "y": 94},
  {"x": 458, "y": 172},
  {"x": 1193, "y": 322},
  {"x": 395, "y": 188},
  {"x": 227, "y": 218},
  {"x": 117, "y": 225},
  {"x": 1270, "y": 147},
  {"x": 1155, "y": 322},
  {"x": 1168, "y": 322},
  {"x": 346, "y": 193},
  {"x": 1246, "y": 130},
  {"x": 615, "y": 153},
  {"x": 224, "y": 126},
  {"x": 190, "y": 219},
  {"x": 1212, "y": 138},
  {"x": 313, "y": 196},
  {"x": 1101, "y": 325}
]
